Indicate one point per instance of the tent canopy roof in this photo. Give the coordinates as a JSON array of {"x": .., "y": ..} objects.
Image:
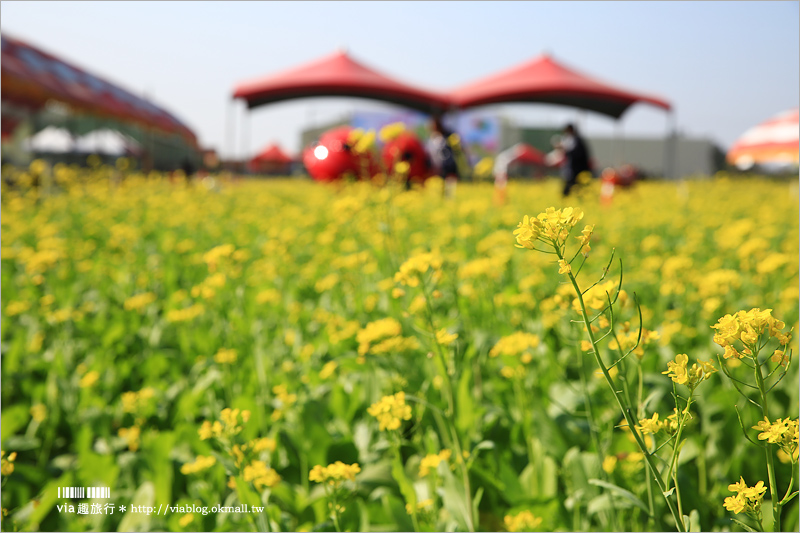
[
  {"x": 542, "y": 79},
  {"x": 31, "y": 77},
  {"x": 272, "y": 154},
  {"x": 336, "y": 75}
]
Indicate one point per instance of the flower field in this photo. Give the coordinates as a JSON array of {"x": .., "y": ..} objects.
[{"x": 353, "y": 357}]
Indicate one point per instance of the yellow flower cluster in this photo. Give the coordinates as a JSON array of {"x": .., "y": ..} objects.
[
  {"x": 524, "y": 521},
  {"x": 390, "y": 410},
  {"x": 133, "y": 401},
  {"x": 186, "y": 314},
  {"x": 89, "y": 379},
  {"x": 225, "y": 356},
  {"x": 410, "y": 271},
  {"x": 202, "y": 462},
  {"x": 7, "y": 463},
  {"x": 208, "y": 287},
  {"x": 516, "y": 344},
  {"x": 261, "y": 475},
  {"x": 691, "y": 377},
  {"x": 140, "y": 301},
  {"x": 131, "y": 436},
  {"x": 391, "y": 131},
  {"x": 584, "y": 238},
  {"x": 38, "y": 412},
  {"x": 420, "y": 505},
  {"x": 444, "y": 338},
  {"x": 383, "y": 336},
  {"x": 213, "y": 256},
  {"x": 228, "y": 427},
  {"x": 254, "y": 446},
  {"x": 784, "y": 432},
  {"x": 335, "y": 473},
  {"x": 431, "y": 462},
  {"x": 747, "y": 327},
  {"x": 653, "y": 425},
  {"x": 747, "y": 500},
  {"x": 552, "y": 226}
]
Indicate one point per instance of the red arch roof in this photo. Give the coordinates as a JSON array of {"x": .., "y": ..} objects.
[
  {"x": 337, "y": 74},
  {"x": 31, "y": 76},
  {"x": 543, "y": 79}
]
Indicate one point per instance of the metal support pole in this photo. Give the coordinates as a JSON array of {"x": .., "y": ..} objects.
[
  {"x": 231, "y": 130},
  {"x": 618, "y": 147},
  {"x": 670, "y": 147},
  {"x": 244, "y": 140}
]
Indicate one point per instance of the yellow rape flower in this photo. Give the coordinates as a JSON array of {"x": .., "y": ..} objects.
[
  {"x": 139, "y": 302},
  {"x": 431, "y": 462},
  {"x": 335, "y": 473},
  {"x": 691, "y": 377},
  {"x": 444, "y": 338},
  {"x": 261, "y": 475},
  {"x": 747, "y": 500},
  {"x": 524, "y": 521},
  {"x": 783, "y": 432},
  {"x": 225, "y": 356},
  {"x": 201, "y": 463},
  {"x": 7, "y": 463},
  {"x": 89, "y": 379},
  {"x": 390, "y": 411}
]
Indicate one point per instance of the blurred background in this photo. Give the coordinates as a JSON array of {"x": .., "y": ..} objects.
[{"x": 156, "y": 82}]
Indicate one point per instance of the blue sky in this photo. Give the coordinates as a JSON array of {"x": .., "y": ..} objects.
[{"x": 724, "y": 65}]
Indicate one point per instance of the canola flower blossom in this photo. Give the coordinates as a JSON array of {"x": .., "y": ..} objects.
[
  {"x": 228, "y": 426},
  {"x": 431, "y": 462},
  {"x": 202, "y": 462},
  {"x": 746, "y": 327},
  {"x": 410, "y": 272},
  {"x": 391, "y": 411},
  {"x": 523, "y": 521},
  {"x": 261, "y": 475},
  {"x": 334, "y": 474},
  {"x": 551, "y": 227},
  {"x": 748, "y": 500},
  {"x": 691, "y": 377},
  {"x": 783, "y": 432}
]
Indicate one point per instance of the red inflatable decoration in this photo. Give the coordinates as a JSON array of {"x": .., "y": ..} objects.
[
  {"x": 333, "y": 157},
  {"x": 407, "y": 147}
]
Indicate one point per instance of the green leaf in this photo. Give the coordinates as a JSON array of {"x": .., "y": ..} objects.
[
  {"x": 465, "y": 408},
  {"x": 145, "y": 495},
  {"x": 622, "y": 492},
  {"x": 13, "y": 419}
]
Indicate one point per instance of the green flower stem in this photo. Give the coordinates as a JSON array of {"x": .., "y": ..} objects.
[
  {"x": 520, "y": 398},
  {"x": 596, "y": 440},
  {"x": 627, "y": 413},
  {"x": 773, "y": 487}
]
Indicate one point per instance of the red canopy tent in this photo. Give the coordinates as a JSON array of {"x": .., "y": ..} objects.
[
  {"x": 336, "y": 75},
  {"x": 271, "y": 159},
  {"x": 542, "y": 79},
  {"x": 527, "y": 154}
]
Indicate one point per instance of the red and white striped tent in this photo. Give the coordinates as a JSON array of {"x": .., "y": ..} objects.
[{"x": 773, "y": 143}]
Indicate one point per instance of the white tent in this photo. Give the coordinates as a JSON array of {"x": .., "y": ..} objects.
[
  {"x": 108, "y": 142},
  {"x": 50, "y": 140}
]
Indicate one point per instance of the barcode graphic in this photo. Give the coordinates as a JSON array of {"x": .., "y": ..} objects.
[{"x": 84, "y": 492}]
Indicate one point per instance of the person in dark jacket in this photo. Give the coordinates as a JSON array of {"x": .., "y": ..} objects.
[{"x": 576, "y": 157}]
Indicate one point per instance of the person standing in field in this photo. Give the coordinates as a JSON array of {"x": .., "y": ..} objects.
[
  {"x": 441, "y": 149},
  {"x": 576, "y": 157}
]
